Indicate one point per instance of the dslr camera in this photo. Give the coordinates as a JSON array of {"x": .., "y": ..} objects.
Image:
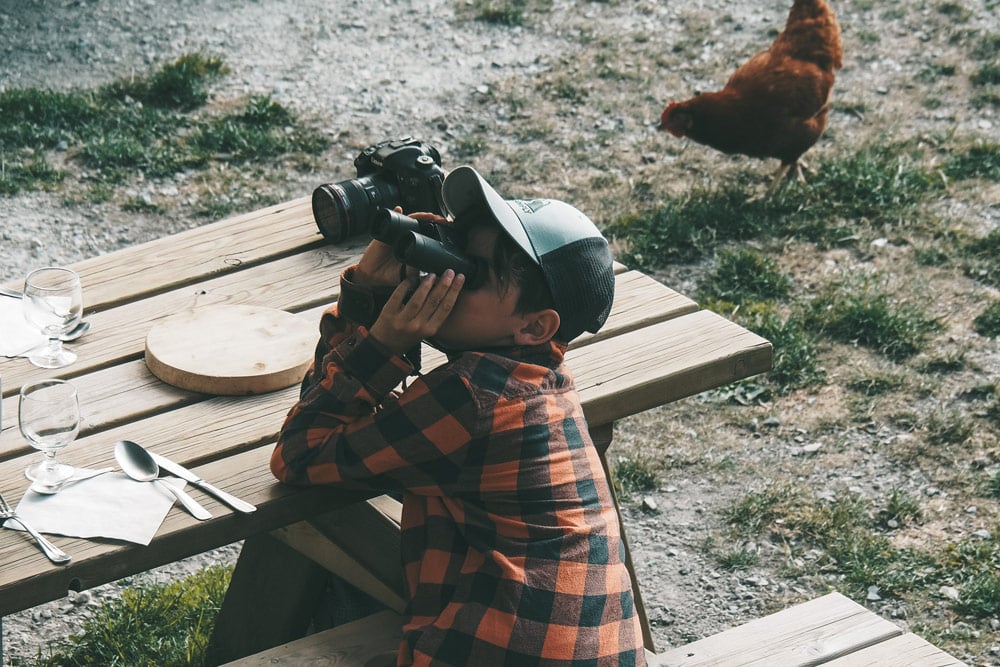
[{"x": 397, "y": 172}]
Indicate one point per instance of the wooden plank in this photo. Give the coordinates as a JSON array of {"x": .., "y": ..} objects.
[
  {"x": 811, "y": 633},
  {"x": 369, "y": 642},
  {"x": 373, "y": 564},
  {"x": 907, "y": 650},
  {"x": 209, "y": 250},
  {"x": 302, "y": 281},
  {"x": 664, "y": 362},
  {"x": 127, "y": 391},
  {"x": 28, "y": 578}
]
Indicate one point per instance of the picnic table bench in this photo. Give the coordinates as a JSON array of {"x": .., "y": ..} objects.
[{"x": 656, "y": 347}]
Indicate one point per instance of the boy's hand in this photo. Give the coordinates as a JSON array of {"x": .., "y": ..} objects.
[{"x": 403, "y": 324}]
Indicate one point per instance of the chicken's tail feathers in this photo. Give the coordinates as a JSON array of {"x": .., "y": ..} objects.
[{"x": 812, "y": 33}]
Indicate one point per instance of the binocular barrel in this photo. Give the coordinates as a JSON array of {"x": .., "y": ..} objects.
[
  {"x": 425, "y": 245},
  {"x": 433, "y": 256}
]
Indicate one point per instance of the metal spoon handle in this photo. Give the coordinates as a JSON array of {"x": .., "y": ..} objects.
[
  {"x": 192, "y": 505},
  {"x": 54, "y": 553}
]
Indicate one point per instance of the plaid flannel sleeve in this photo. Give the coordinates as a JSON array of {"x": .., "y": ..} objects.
[{"x": 349, "y": 429}]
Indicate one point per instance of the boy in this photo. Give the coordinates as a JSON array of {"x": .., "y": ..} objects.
[{"x": 510, "y": 541}]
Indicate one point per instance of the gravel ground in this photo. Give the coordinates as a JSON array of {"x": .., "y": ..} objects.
[{"x": 372, "y": 70}]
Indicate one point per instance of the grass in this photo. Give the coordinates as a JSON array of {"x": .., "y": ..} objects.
[
  {"x": 160, "y": 625},
  {"x": 987, "y": 323},
  {"x": 152, "y": 126},
  {"x": 633, "y": 476},
  {"x": 859, "y": 312},
  {"x": 853, "y": 537}
]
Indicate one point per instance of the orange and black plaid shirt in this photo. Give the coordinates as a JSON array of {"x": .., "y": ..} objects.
[{"x": 510, "y": 540}]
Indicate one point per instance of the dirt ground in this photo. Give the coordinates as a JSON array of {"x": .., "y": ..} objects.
[{"x": 364, "y": 70}]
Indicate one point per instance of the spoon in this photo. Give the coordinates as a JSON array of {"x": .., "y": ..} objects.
[
  {"x": 71, "y": 335},
  {"x": 140, "y": 466}
]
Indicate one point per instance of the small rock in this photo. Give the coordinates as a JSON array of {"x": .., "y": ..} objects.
[
  {"x": 983, "y": 534},
  {"x": 949, "y": 592},
  {"x": 649, "y": 504},
  {"x": 873, "y": 595}
]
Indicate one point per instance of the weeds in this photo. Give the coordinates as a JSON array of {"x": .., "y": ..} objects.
[
  {"x": 857, "y": 313},
  {"x": 742, "y": 276},
  {"x": 163, "y": 625},
  {"x": 633, "y": 476},
  {"x": 987, "y": 323},
  {"x": 854, "y": 548},
  {"x": 150, "y": 126}
]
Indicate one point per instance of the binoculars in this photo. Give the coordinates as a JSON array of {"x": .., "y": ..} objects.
[{"x": 427, "y": 246}]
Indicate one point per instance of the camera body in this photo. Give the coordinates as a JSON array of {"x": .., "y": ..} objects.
[{"x": 401, "y": 172}]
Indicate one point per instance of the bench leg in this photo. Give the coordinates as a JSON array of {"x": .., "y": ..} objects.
[
  {"x": 602, "y": 436},
  {"x": 272, "y": 599}
]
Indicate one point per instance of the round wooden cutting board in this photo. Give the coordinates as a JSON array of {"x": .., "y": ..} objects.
[{"x": 231, "y": 349}]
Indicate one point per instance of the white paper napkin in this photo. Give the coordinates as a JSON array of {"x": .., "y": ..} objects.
[
  {"x": 17, "y": 337},
  {"x": 111, "y": 505}
]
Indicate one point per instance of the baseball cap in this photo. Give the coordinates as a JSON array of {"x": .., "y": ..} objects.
[{"x": 573, "y": 255}]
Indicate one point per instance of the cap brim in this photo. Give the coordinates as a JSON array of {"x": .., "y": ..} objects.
[{"x": 465, "y": 192}]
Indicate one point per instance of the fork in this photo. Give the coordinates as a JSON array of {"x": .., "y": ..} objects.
[{"x": 54, "y": 553}]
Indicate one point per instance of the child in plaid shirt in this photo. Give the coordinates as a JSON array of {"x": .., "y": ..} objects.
[{"x": 510, "y": 540}]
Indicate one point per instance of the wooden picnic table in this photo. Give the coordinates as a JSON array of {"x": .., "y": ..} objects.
[{"x": 656, "y": 347}]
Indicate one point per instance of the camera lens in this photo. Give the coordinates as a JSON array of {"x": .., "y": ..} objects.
[{"x": 344, "y": 209}]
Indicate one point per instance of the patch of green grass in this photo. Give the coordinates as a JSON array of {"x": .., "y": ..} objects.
[
  {"x": 948, "y": 428},
  {"x": 877, "y": 383},
  {"x": 795, "y": 363},
  {"x": 148, "y": 126},
  {"x": 34, "y": 173},
  {"x": 947, "y": 360},
  {"x": 901, "y": 509},
  {"x": 737, "y": 559},
  {"x": 987, "y": 75},
  {"x": 163, "y": 625},
  {"x": 991, "y": 488},
  {"x": 874, "y": 186},
  {"x": 987, "y": 47},
  {"x": 742, "y": 276},
  {"x": 859, "y": 312},
  {"x": 180, "y": 85},
  {"x": 933, "y": 72},
  {"x": 507, "y": 12},
  {"x": 954, "y": 11},
  {"x": 688, "y": 227},
  {"x": 979, "y": 160},
  {"x": 634, "y": 475},
  {"x": 980, "y": 596},
  {"x": 758, "y": 509},
  {"x": 982, "y": 258}
]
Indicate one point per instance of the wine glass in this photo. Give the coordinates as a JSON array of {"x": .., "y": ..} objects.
[
  {"x": 49, "y": 417},
  {"x": 53, "y": 302}
]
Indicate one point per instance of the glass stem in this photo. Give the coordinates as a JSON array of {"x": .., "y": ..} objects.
[{"x": 50, "y": 460}]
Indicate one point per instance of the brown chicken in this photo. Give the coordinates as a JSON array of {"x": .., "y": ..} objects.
[{"x": 775, "y": 105}]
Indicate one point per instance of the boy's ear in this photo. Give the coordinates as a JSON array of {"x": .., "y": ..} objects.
[{"x": 539, "y": 327}]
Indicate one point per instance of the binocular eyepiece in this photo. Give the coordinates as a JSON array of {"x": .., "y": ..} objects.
[{"x": 427, "y": 246}]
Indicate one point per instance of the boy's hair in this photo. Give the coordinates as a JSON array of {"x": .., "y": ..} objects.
[{"x": 561, "y": 242}]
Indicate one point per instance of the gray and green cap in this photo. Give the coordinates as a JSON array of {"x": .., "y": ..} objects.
[{"x": 573, "y": 255}]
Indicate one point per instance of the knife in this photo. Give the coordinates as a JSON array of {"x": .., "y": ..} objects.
[{"x": 188, "y": 476}]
